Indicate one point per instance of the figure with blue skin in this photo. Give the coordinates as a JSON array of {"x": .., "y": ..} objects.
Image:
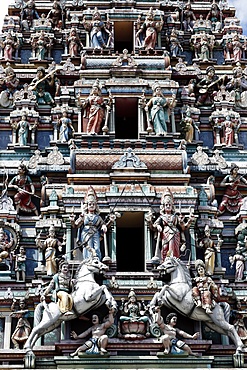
[{"x": 90, "y": 225}]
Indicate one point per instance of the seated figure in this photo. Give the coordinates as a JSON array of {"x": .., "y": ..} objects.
[{"x": 133, "y": 322}]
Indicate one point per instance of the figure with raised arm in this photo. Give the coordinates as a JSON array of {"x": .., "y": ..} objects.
[
  {"x": 98, "y": 342},
  {"x": 23, "y": 327},
  {"x": 100, "y": 31},
  {"x": 25, "y": 189},
  {"x": 169, "y": 334},
  {"x": 171, "y": 226},
  {"x": 149, "y": 31}
]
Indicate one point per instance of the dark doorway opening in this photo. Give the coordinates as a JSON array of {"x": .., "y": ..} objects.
[
  {"x": 130, "y": 242},
  {"x": 126, "y": 118},
  {"x": 123, "y": 36}
]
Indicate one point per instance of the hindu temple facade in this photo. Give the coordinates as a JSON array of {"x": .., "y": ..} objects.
[{"x": 123, "y": 138}]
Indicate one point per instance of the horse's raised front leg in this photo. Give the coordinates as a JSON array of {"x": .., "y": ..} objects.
[{"x": 110, "y": 301}]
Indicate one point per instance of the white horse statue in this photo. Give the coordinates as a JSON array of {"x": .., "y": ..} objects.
[
  {"x": 177, "y": 295},
  {"x": 87, "y": 295}
]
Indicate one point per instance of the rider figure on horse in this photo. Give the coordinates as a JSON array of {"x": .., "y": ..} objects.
[
  {"x": 61, "y": 284},
  {"x": 206, "y": 291}
]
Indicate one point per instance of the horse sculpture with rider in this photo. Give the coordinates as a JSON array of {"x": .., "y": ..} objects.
[
  {"x": 87, "y": 295},
  {"x": 177, "y": 295}
]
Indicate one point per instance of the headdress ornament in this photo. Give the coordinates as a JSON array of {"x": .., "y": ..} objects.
[
  {"x": 90, "y": 195},
  {"x": 199, "y": 263},
  {"x": 167, "y": 194},
  {"x": 131, "y": 293}
]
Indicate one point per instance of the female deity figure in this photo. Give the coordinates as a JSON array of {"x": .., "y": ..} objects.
[
  {"x": 237, "y": 49},
  {"x": 40, "y": 46},
  {"x": 131, "y": 309},
  {"x": 100, "y": 33},
  {"x": 189, "y": 126},
  {"x": 208, "y": 85},
  {"x": 25, "y": 189},
  {"x": 232, "y": 199},
  {"x": 9, "y": 46},
  {"x": 51, "y": 245},
  {"x": 39, "y": 86},
  {"x": 171, "y": 227},
  {"x": 11, "y": 83},
  {"x": 148, "y": 30},
  {"x": 175, "y": 46},
  {"x": 157, "y": 109},
  {"x": 23, "y": 128},
  {"x": 205, "y": 293},
  {"x": 66, "y": 129},
  {"x": 94, "y": 109},
  {"x": 204, "y": 49},
  {"x": 229, "y": 131},
  {"x": 23, "y": 327},
  {"x": 90, "y": 225},
  {"x": 209, "y": 251},
  {"x": 132, "y": 312},
  {"x": 239, "y": 259},
  {"x": 74, "y": 43}
]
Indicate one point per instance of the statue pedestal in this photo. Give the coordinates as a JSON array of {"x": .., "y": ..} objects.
[{"x": 132, "y": 330}]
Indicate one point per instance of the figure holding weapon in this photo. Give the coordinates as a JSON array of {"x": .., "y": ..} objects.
[{"x": 25, "y": 190}]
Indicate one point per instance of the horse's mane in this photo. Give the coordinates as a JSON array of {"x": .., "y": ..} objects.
[
  {"x": 80, "y": 266},
  {"x": 185, "y": 269}
]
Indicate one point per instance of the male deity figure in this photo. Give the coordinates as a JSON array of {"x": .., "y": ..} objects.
[{"x": 90, "y": 225}]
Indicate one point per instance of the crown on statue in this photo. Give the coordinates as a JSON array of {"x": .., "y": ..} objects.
[{"x": 90, "y": 195}]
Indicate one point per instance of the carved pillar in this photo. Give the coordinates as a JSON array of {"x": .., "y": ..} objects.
[
  {"x": 7, "y": 332},
  {"x": 68, "y": 238},
  {"x": 33, "y": 136},
  {"x": 148, "y": 242},
  {"x": 111, "y": 124},
  {"x": 112, "y": 242},
  {"x": 192, "y": 241},
  {"x": 79, "y": 129},
  {"x": 14, "y": 137},
  {"x": 173, "y": 121},
  {"x": 140, "y": 117}
]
